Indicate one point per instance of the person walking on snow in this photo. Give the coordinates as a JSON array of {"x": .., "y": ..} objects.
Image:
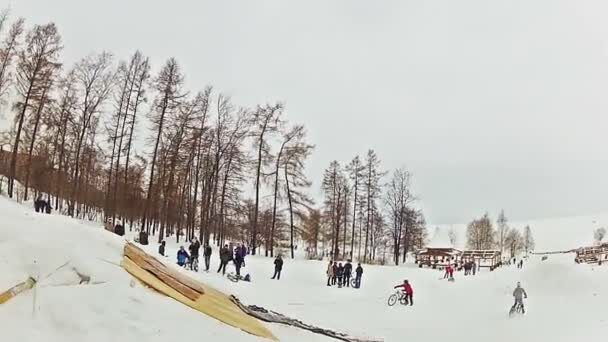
[
  {"x": 238, "y": 261},
  {"x": 225, "y": 256},
  {"x": 207, "y": 254},
  {"x": 450, "y": 271},
  {"x": 335, "y": 273},
  {"x": 182, "y": 256},
  {"x": 519, "y": 294},
  {"x": 359, "y": 274},
  {"x": 348, "y": 270},
  {"x": 330, "y": 273},
  {"x": 408, "y": 291},
  {"x": 194, "y": 248},
  {"x": 161, "y": 248},
  {"x": 278, "y": 267}
]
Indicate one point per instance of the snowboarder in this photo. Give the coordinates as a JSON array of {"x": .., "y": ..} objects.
[
  {"x": 207, "y": 253},
  {"x": 278, "y": 267},
  {"x": 238, "y": 261},
  {"x": 161, "y": 248},
  {"x": 340, "y": 274},
  {"x": 194, "y": 248},
  {"x": 225, "y": 257},
  {"x": 408, "y": 291},
  {"x": 330, "y": 272},
  {"x": 348, "y": 270},
  {"x": 519, "y": 294},
  {"x": 359, "y": 274},
  {"x": 182, "y": 256}
]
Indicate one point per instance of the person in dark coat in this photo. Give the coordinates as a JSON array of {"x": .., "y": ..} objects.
[
  {"x": 359, "y": 275},
  {"x": 278, "y": 267},
  {"x": 340, "y": 274},
  {"x": 348, "y": 271},
  {"x": 243, "y": 253},
  {"x": 119, "y": 230},
  {"x": 194, "y": 248},
  {"x": 161, "y": 248},
  {"x": 143, "y": 237},
  {"x": 334, "y": 278},
  {"x": 238, "y": 261},
  {"x": 225, "y": 257},
  {"x": 207, "y": 253},
  {"x": 40, "y": 205}
]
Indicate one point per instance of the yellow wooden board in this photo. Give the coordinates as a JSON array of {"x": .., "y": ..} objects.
[
  {"x": 213, "y": 303},
  {"x": 17, "y": 289}
]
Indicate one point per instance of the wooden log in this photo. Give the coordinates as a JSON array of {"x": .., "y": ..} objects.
[{"x": 17, "y": 289}]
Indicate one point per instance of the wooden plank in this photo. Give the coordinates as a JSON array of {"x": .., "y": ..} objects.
[{"x": 17, "y": 289}]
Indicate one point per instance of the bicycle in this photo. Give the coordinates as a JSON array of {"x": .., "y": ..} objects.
[
  {"x": 397, "y": 296},
  {"x": 518, "y": 308},
  {"x": 192, "y": 264}
]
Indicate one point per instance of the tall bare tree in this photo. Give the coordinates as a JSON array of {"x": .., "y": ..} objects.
[
  {"x": 371, "y": 190},
  {"x": 398, "y": 199},
  {"x": 528, "y": 240},
  {"x": 502, "y": 229},
  {"x": 35, "y": 62},
  {"x": 480, "y": 234},
  {"x": 266, "y": 121},
  {"x": 8, "y": 52}
]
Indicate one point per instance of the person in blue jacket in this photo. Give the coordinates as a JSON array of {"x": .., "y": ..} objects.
[{"x": 182, "y": 256}]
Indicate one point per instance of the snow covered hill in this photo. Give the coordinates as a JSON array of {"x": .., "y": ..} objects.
[{"x": 567, "y": 302}]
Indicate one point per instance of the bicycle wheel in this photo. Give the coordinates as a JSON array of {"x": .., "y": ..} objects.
[
  {"x": 353, "y": 282},
  {"x": 392, "y": 299},
  {"x": 403, "y": 300}
]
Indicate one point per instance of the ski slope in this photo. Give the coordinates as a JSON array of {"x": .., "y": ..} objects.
[{"x": 567, "y": 302}]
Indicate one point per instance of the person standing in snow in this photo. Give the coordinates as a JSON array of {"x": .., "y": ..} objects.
[
  {"x": 278, "y": 267},
  {"x": 474, "y": 268},
  {"x": 335, "y": 273},
  {"x": 182, "y": 256},
  {"x": 446, "y": 275},
  {"x": 340, "y": 274},
  {"x": 348, "y": 270},
  {"x": 119, "y": 230},
  {"x": 161, "y": 248},
  {"x": 408, "y": 291},
  {"x": 519, "y": 294},
  {"x": 194, "y": 248},
  {"x": 330, "y": 273},
  {"x": 243, "y": 253},
  {"x": 238, "y": 261},
  {"x": 207, "y": 253},
  {"x": 225, "y": 257},
  {"x": 359, "y": 274},
  {"x": 451, "y": 272}
]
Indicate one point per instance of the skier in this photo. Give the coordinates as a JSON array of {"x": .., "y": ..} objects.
[
  {"x": 207, "y": 254},
  {"x": 359, "y": 273},
  {"x": 340, "y": 274},
  {"x": 225, "y": 257},
  {"x": 238, "y": 261},
  {"x": 161, "y": 248},
  {"x": 194, "y": 251},
  {"x": 408, "y": 291},
  {"x": 519, "y": 294},
  {"x": 278, "y": 267},
  {"x": 348, "y": 270},
  {"x": 330, "y": 272},
  {"x": 182, "y": 256}
]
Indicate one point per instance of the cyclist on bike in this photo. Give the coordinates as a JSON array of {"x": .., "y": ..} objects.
[
  {"x": 194, "y": 248},
  {"x": 408, "y": 291},
  {"x": 519, "y": 294}
]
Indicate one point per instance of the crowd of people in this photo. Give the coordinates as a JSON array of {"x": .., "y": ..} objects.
[{"x": 338, "y": 274}]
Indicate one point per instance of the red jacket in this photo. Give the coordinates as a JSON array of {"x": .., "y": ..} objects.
[{"x": 407, "y": 288}]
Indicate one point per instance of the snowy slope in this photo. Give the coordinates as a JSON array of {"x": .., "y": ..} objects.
[{"x": 567, "y": 301}]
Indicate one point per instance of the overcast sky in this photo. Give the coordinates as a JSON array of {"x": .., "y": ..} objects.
[{"x": 491, "y": 104}]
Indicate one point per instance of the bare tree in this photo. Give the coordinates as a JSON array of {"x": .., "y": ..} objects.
[
  {"x": 452, "y": 236},
  {"x": 398, "y": 198},
  {"x": 514, "y": 242},
  {"x": 168, "y": 85},
  {"x": 35, "y": 62},
  {"x": 480, "y": 234},
  {"x": 528, "y": 240},
  {"x": 371, "y": 190},
  {"x": 8, "y": 51},
  {"x": 266, "y": 122},
  {"x": 355, "y": 171},
  {"x": 502, "y": 228}
]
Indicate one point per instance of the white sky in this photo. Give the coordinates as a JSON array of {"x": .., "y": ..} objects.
[{"x": 492, "y": 104}]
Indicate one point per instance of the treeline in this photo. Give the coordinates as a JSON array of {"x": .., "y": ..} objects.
[
  {"x": 481, "y": 235},
  {"x": 365, "y": 216},
  {"x": 113, "y": 140}
]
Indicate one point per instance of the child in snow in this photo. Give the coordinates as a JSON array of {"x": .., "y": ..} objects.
[
  {"x": 409, "y": 292},
  {"x": 182, "y": 256}
]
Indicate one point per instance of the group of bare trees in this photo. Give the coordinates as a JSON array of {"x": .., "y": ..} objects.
[
  {"x": 106, "y": 139},
  {"x": 364, "y": 218},
  {"x": 481, "y": 235}
]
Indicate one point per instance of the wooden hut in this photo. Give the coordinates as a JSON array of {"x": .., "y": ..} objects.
[
  {"x": 482, "y": 258},
  {"x": 592, "y": 255},
  {"x": 438, "y": 257}
]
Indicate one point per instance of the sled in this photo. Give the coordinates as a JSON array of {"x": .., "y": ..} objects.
[
  {"x": 17, "y": 289},
  {"x": 187, "y": 291}
]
